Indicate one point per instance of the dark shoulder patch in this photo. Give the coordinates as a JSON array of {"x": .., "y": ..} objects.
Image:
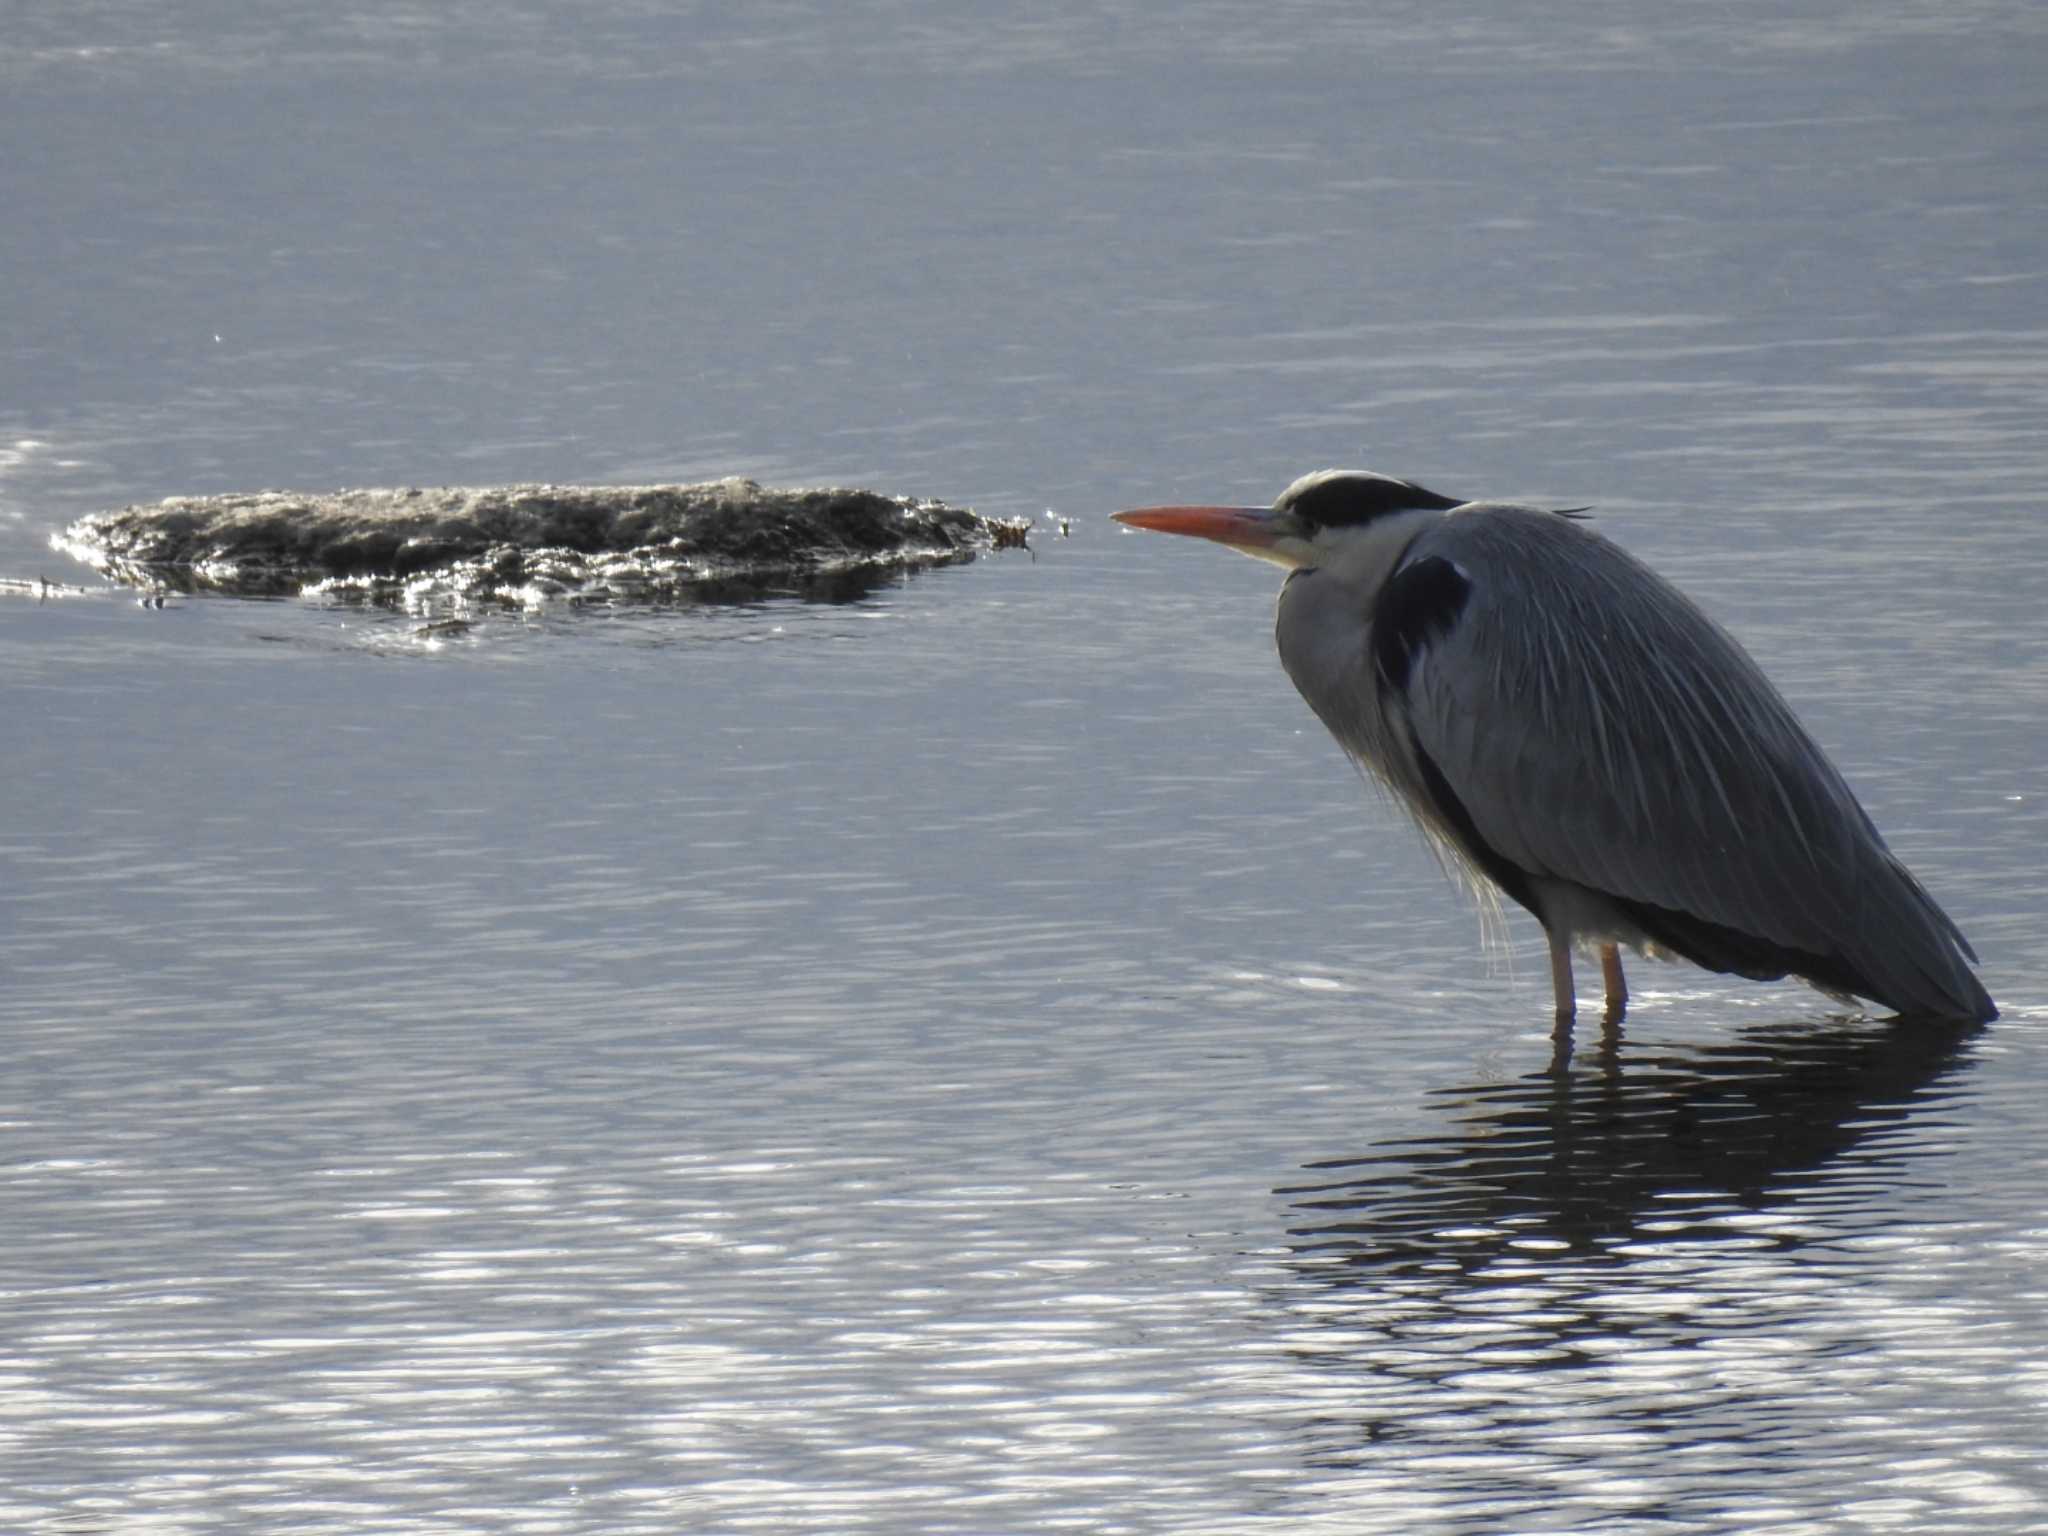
[
  {"x": 1419, "y": 604},
  {"x": 1346, "y": 498}
]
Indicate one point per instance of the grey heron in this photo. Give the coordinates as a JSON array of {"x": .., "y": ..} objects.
[{"x": 1568, "y": 727}]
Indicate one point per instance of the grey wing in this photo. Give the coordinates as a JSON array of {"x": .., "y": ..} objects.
[{"x": 1587, "y": 724}]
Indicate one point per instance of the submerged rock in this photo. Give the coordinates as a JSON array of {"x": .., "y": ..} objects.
[{"x": 728, "y": 539}]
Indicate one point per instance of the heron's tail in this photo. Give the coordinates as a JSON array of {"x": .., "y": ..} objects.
[{"x": 1916, "y": 958}]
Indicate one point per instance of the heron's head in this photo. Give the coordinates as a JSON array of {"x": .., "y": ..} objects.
[{"x": 1315, "y": 520}]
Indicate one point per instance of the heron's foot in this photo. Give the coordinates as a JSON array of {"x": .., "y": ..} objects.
[{"x": 1561, "y": 1046}]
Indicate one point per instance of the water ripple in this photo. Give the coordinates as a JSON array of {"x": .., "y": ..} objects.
[{"x": 1618, "y": 1291}]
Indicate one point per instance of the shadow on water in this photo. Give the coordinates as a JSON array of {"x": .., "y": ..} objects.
[{"x": 1624, "y": 1142}]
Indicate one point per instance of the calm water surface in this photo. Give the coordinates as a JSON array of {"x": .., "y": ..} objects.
[{"x": 972, "y": 1059}]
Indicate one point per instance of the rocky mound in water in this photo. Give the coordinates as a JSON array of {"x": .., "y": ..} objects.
[{"x": 530, "y": 542}]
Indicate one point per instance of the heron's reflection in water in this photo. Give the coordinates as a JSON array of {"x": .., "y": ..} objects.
[
  {"x": 1637, "y": 1285},
  {"x": 1624, "y": 1143}
]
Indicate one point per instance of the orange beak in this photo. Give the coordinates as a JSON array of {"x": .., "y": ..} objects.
[{"x": 1240, "y": 527}]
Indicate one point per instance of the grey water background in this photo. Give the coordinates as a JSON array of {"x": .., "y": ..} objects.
[{"x": 972, "y": 1059}]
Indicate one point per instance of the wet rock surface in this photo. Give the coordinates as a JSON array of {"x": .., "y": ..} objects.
[{"x": 723, "y": 540}]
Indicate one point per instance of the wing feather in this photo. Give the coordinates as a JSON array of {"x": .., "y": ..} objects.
[{"x": 1595, "y": 727}]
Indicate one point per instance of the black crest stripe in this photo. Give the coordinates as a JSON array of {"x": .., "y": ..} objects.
[{"x": 1346, "y": 500}]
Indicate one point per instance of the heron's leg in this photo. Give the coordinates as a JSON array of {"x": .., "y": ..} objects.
[
  {"x": 1561, "y": 977},
  {"x": 1617, "y": 988}
]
